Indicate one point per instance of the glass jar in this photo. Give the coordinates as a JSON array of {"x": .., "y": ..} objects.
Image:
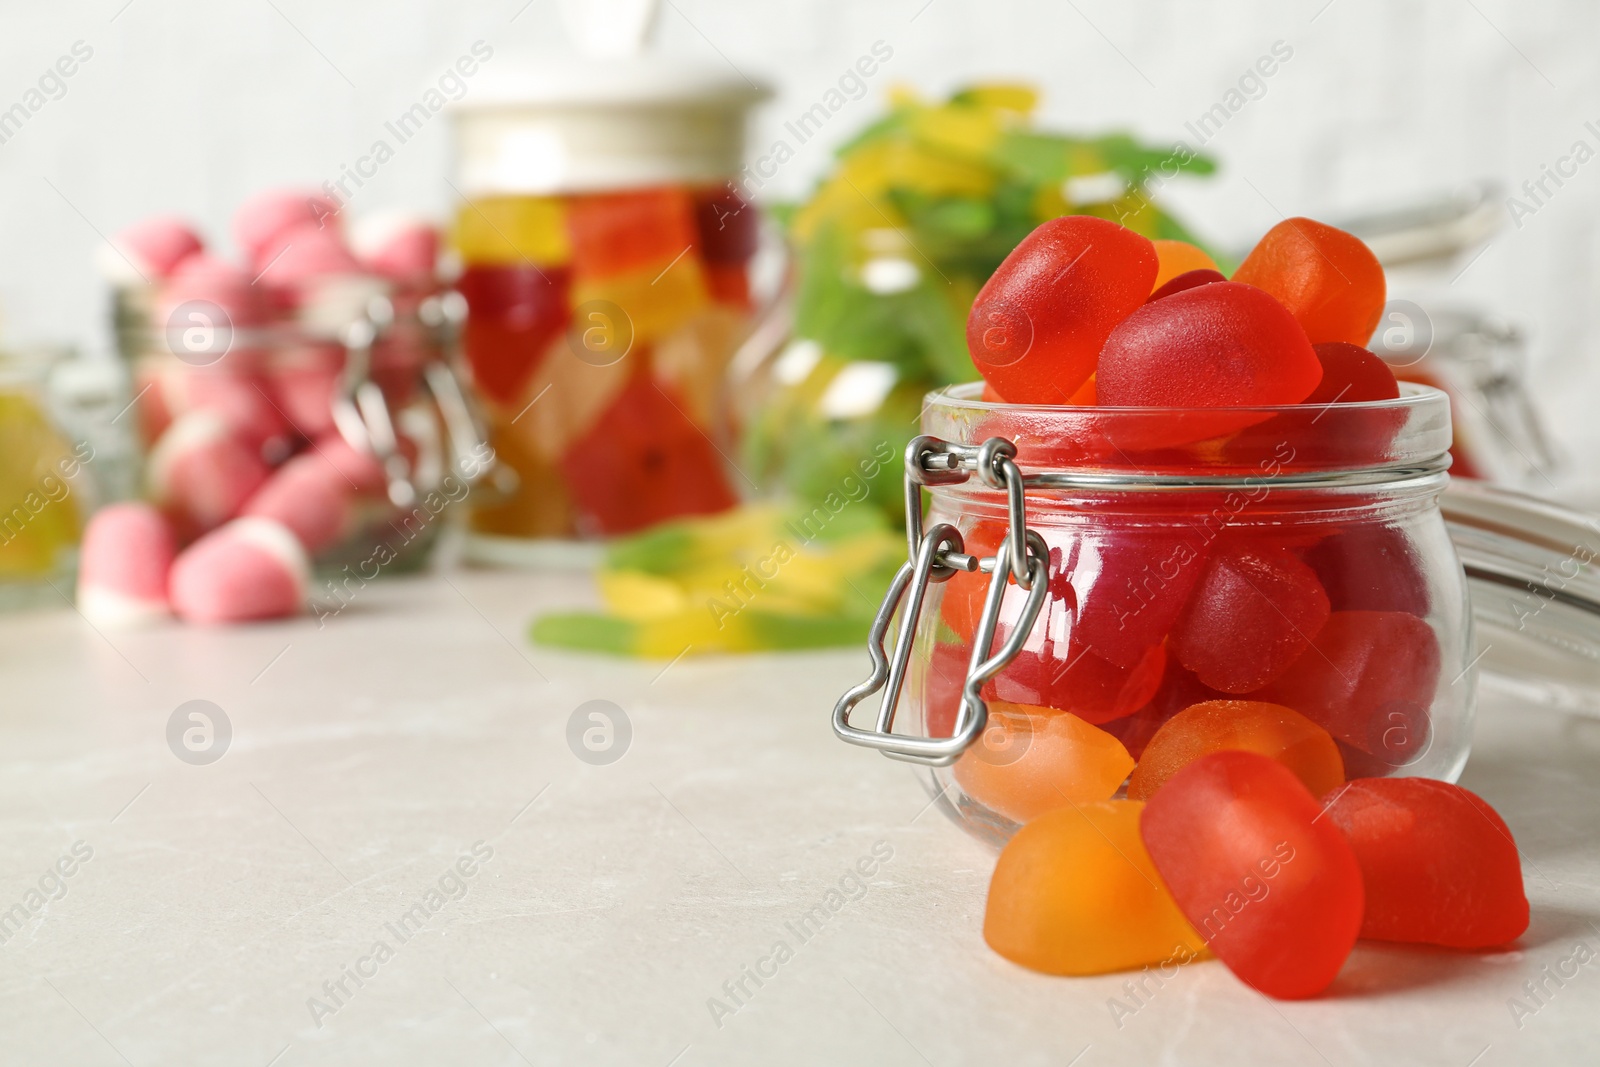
[
  {"x": 1100, "y": 568},
  {"x": 606, "y": 243}
]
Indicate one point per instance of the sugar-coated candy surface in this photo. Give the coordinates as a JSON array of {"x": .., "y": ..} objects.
[
  {"x": 1038, "y": 324},
  {"x": 1330, "y": 282},
  {"x": 252, "y": 568},
  {"x": 1132, "y": 583},
  {"x": 1253, "y": 614},
  {"x": 1030, "y": 760},
  {"x": 1273, "y": 889},
  {"x": 1368, "y": 680},
  {"x": 1175, "y": 258},
  {"x": 1179, "y": 689},
  {"x": 1438, "y": 863},
  {"x": 1243, "y": 725},
  {"x": 123, "y": 564},
  {"x": 1074, "y": 892},
  {"x": 1220, "y": 345},
  {"x": 1187, "y": 280}
]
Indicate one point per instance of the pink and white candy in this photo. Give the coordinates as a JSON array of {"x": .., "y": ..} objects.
[
  {"x": 123, "y": 565},
  {"x": 310, "y": 498},
  {"x": 252, "y": 568},
  {"x": 202, "y": 471}
]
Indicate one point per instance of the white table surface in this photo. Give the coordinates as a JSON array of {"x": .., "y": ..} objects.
[{"x": 370, "y": 753}]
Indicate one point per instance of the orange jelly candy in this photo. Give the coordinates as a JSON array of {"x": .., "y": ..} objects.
[
  {"x": 1178, "y": 257},
  {"x": 1331, "y": 283},
  {"x": 1247, "y": 725},
  {"x": 1032, "y": 760},
  {"x": 1074, "y": 892}
]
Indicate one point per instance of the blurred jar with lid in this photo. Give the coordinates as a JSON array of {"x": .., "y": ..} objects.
[{"x": 605, "y": 250}]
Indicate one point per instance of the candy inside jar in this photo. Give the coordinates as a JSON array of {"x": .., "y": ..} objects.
[{"x": 1298, "y": 582}]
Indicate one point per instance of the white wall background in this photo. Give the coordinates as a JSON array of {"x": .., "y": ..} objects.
[{"x": 189, "y": 105}]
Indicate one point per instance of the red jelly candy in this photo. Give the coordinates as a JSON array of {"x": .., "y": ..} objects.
[
  {"x": 1371, "y": 568},
  {"x": 1274, "y": 889},
  {"x": 1221, "y": 345},
  {"x": 1132, "y": 583},
  {"x": 1368, "y": 680},
  {"x": 1438, "y": 863},
  {"x": 1351, "y": 374},
  {"x": 1179, "y": 689},
  {"x": 1250, "y": 617},
  {"x": 1040, "y": 320},
  {"x": 1187, "y": 280},
  {"x": 644, "y": 461},
  {"x": 1330, "y": 282},
  {"x": 514, "y": 314}
]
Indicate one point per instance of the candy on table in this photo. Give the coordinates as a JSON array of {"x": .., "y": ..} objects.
[
  {"x": 515, "y": 312},
  {"x": 1214, "y": 346},
  {"x": 1176, "y": 258},
  {"x": 1273, "y": 888},
  {"x": 513, "y": 231},
  {"x": 747, "y": 579},
  {"x": 1075, "y": 892},
  {"x": 1438, "y": 864},
  {"x": 1370, "y": 567},
  {"x": 149, "y": 250},
  {"x": 1239, "y": 725},
  {"x": 252, "y": 568},
  {"x": 1368, "y": 680},
  {"x": 309, "y": 498},
  {"x": 201, "y": 472},
  {"x": 1041, "y": 319},
  {"x": 643, "y": 461},
  {"x": 1030, "y": 760},
  {"x": 1253, "y": 613},
  {"x": 261, "y": 223},
  {"x": 1328, "y": 280},
  {"x": 1186, "y": 280},
  {"x": 123, "y": 565}
]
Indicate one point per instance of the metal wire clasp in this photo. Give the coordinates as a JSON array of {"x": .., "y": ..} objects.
[{"x": 936, "y": 556}]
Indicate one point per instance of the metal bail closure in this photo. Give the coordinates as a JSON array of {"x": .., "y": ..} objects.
[{"x": 937, "y": 556}]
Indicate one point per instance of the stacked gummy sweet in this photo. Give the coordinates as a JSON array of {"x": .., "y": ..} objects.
[
  {"x": 236, "y": 369},
  {"x": 599, "y": 331},
  {"x": 1254, "y": 698}
]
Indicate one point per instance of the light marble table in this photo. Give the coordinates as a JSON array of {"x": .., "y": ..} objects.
[{"x": 617, "y": 905}]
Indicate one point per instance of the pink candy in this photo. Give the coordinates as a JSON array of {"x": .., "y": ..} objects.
[
  {"x": 263, "y": 219},
  {"x": 152, "y": 248},
  {"x": 252, "y": 568},
  {"x": 202, "y": 472},
  {"x": 126, "y": 555},
  {"x": 309, "y": 498}
]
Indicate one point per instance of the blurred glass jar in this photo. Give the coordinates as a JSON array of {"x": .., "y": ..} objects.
[
  {"x": 358, "y": 373},
  {"x": 605, "y": 254},
  {"x": 61, "y": 454}
]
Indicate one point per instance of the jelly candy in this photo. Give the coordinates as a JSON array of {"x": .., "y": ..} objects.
[
  {"x": 1350, "y": 374},
  {"x": 513, "y": 231},
  {"x": 1272, "y": 887},
  {"x": 1252, "y": 615},
  {"x": 1074, "y": 892},
  {"x": 1041, "y": 319},
  {"x": 1086, "y": 395},
  {"x": 1176, "y": 258},
  {"x": 1214, "y": 346},
  {"x": 653, "y": 302},
  {"x": 515, "y": 312},
  {"x": 1030, "y": 760},
  {"x": 1370, "y": 568},
  {"x": 643, "y": 461},
  {"x": 1368, "y": 680},
  {"x": 1186, "y": 280},
  {"x": 1331, "y": 283},
  {"x": 1239, "y": 725},
  {"x": 630, "y": 232},
  {"x": 1179, "y": 689},
  {"x": 1071, "y": 677},
  {"x": 727, "y": 226},
  {"x": 564, "y": 397},
  {"x": 1131, "y": 584},
  {"x": 1438, "y": 864}
]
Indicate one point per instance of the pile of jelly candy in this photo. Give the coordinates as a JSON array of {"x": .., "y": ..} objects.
[
  {"x": 236, "y": 368},
  {"x": 599, "y": 334},
  {"x": 759, "y": 578},
  {"x": 1255, "y": 701},
  {"x": 920, "y": 207}
]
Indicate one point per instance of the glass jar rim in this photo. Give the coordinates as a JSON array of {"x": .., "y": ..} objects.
[{"x": 1127, "y": 447}]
